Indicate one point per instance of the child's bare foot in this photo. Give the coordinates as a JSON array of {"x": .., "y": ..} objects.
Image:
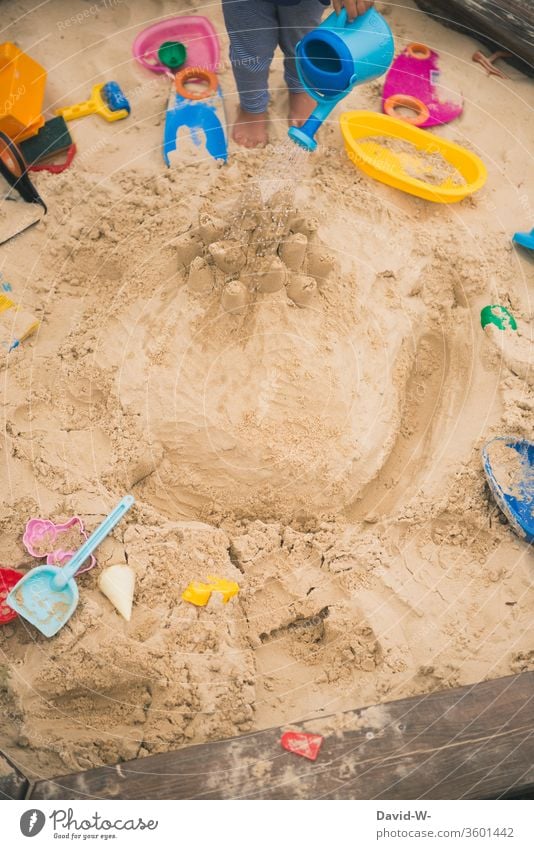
[
  {"x": 301, "y": 106},
  {"x": 250, "y": 128}
]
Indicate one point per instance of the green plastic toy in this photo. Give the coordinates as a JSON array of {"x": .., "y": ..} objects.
[
  {"x": 172, "y": 54},
  {"x": 499, "y": 316}
]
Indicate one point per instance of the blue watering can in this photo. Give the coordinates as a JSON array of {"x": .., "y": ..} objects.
[{"x": 335, "y": 57}]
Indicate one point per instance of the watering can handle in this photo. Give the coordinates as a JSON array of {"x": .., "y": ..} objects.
[
  {"x": 343, "y": 18},
  {"x": 68, "y": 571}
]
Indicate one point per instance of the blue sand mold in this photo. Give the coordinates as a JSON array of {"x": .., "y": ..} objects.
[
  {"x": 200, "y": 116},
  {"x": 518, "y": 510}
]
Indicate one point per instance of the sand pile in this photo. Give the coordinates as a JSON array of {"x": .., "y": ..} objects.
[
  {"x": 261, "y": 401},
  {"x": 296, "y": 390}
]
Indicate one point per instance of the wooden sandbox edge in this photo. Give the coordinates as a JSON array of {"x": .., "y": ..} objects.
[
  {"x": 473, "y": 742},
  {"x": 13, "y": 784},
  {"x": 502, "y": 24}
]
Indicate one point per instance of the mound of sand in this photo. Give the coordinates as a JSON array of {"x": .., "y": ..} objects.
[{"x": 273, "y": 371}]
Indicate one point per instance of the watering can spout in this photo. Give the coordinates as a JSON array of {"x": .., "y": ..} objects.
[
  {"x": 305, "y": 135},
  {"x": 336, "y": 56}
]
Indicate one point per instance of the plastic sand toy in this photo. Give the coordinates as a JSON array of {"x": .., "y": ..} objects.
[
  {"x": 199, "y": 594},
  {"x": 117, "y": 583},
  {"x": 305, "y": 745},
  {"x": 14, "y": 170},
  {"x": 509, "y": 467},
  {"x": 15, "y": 218},
  {"x": 57, "y": 542},
  {"x": 22, "y": 87},
  {"x": 526, "y": 240},
  {"x": 411, "y": 82},
  {"x": 194, "y": 32},
  {"x": 195, "y": 109},
  {"x": 16, "y": 324},
  {"x": 172, "y": 54},
  {"x": 412, "y": 160},
  {"x": 107, "y": 100},
  {"x": 498, "y": 316},
  {"x": 53, "y": 138},
  {"x": 47, "y": 596},
  {"x": 199, "y": 113},
  {"x": 488, "y": 62},
  {"x": 336, "y": 56},
  {"x": 9, "y": 579}
]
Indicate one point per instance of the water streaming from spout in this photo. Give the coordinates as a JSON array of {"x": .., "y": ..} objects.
[{"x": 263, "y": 209}]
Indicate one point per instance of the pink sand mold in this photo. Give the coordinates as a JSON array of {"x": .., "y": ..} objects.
[
  {"x": 415, "y": 74},
  {"x": 194, "y": 31},
  {"x": 38, "y": 529}
]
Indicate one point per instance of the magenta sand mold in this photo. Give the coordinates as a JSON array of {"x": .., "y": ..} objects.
[{"x": 412, "y": 83}]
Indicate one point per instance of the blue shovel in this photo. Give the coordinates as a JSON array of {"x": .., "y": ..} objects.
[{"x": 47, "y": 596}]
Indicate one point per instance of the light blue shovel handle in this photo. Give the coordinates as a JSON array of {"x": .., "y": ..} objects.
[{"x": 69, "y": 571}]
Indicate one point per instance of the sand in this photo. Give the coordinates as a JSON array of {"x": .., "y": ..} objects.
[
  {"x": 292, "y": 380},
  {"x": 431, "y": 168}
]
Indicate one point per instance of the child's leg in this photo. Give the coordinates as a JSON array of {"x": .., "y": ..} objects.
[
  {"x": 294, "y": 22},
  {"x": 253, "y": 29}
]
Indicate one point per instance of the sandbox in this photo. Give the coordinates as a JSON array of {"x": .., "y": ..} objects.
[{"x": 296, "y": 394}]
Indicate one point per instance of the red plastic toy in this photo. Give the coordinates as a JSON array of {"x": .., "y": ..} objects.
[
  {"x": 9, "y": 578},
  {"x": 56, "y": 167},
  {"x": 305, "y": 745}
]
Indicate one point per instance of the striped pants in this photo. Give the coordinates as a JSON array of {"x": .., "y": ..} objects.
[{"x": 256, "y": 28}]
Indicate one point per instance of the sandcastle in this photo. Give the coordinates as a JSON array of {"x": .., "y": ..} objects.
[{"x": 245, "y": 259}]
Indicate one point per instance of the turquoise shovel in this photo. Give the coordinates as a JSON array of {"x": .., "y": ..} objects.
[{"x": 47, "y": 596}]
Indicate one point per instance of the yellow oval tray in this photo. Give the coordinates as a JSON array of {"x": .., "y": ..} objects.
[{"x": 362, "y": 132}]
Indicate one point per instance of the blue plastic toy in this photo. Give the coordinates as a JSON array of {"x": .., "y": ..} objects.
[
  {"x": 526, "y": 240},
  {"x": 47, "y": 596},
  {"x": 516, "y": 500},
  {"x": 115, "y": 97},
  {"x": 334, "y": 58},
  {"x": 107, "y": 100},
  {"x": 202, "y": 113}
]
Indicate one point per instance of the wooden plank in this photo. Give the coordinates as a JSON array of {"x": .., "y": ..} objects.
[
  {"x": 13, "y": 785},
  {"x": 504, "y": 24},
  {"x": 472, "y": 742}
]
